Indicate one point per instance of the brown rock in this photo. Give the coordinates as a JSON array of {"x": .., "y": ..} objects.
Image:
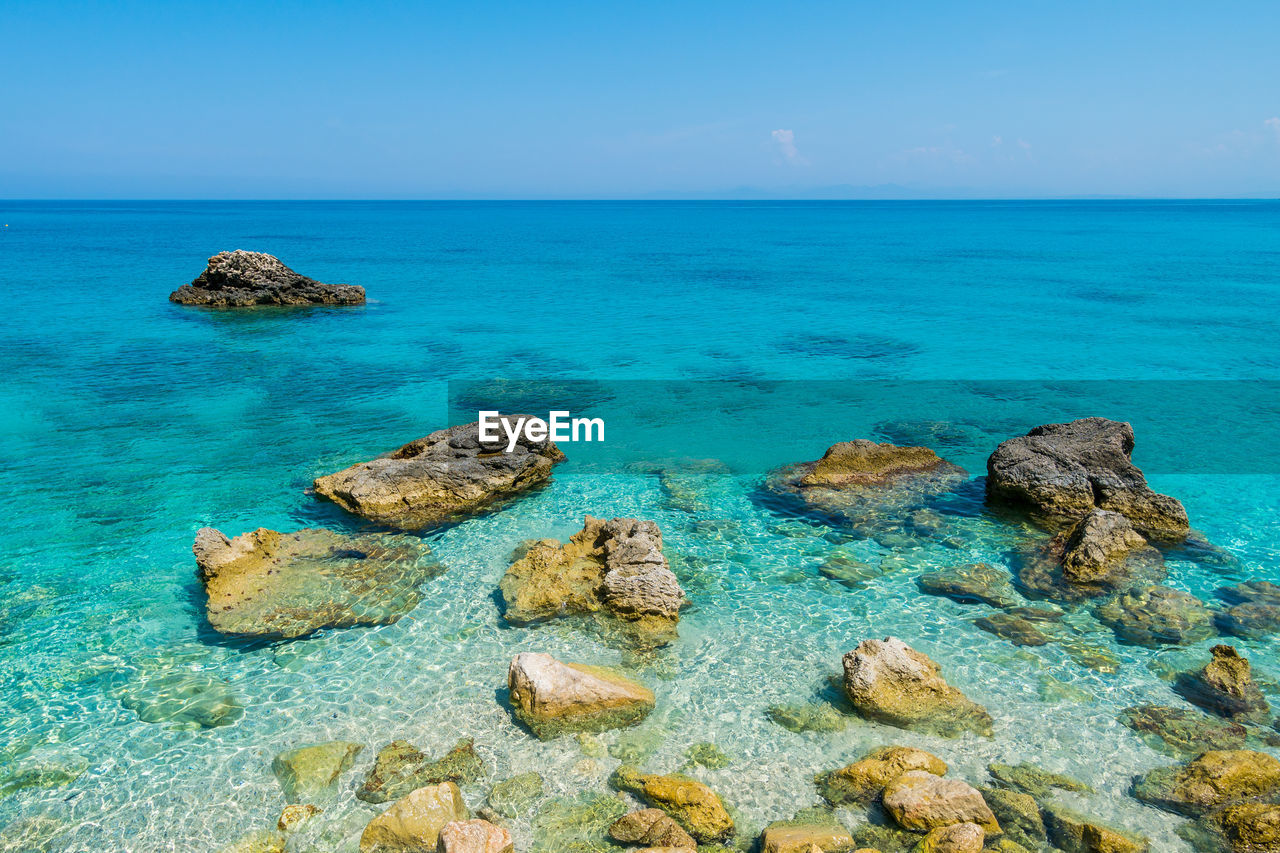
[
  {"x": 551, "y": 697},
  {"x": 863, "y": 780},
  {"x": 413, "y": 824},
  {"x": 473, "y": 836},
  {"x": 1226, "y": 687},
  {"x": 889, "y": 681},
  {"x": 957, "y": 838},
  {"x": 241, "y": 279},
  {"x": 652, "y": 828},
  {"x": 920, "y": 801}
]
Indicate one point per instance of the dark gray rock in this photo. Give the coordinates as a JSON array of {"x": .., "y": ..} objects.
[{"x": 241, "y": 279}]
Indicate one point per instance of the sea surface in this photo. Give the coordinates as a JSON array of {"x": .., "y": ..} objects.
[{"x": 718, "y": 341}]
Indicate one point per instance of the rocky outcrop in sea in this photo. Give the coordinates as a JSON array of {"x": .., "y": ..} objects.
[
  {"x": 552, "y": 698},
  {"x": 242, "y": 279}
]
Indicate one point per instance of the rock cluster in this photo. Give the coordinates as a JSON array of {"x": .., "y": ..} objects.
[
  {"x": 241, "y": 279},
  {"x": 691, "y": 804},
  {"x": 446, "y": 474},
  {"x": 400, "y": 768}
]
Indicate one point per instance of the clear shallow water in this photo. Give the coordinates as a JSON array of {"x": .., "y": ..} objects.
[{"x": 127, "y": 423}]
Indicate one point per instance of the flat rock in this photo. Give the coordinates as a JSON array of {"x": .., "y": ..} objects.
[
  {"x": 811, "y": 717},
  {"x": 400, "y": 768},
  {"x": 1072, "y": 832},
  {"x": 445, "y": 475},
  {"x": 413, "y": 824},
  {"x": 920, "y": 801},
  {"x": 979, "y": 583},
  {"x": 888, "y": 681},
  {"x": 1034, "y": 780},
  {"x": 1213, "y": 780},
  {"x": 285, "y": 585},
  {"x": 310, "y": 772},
  {"x": 184, "y": 698},
  {"x": 241, "y": 279},
  {"x": 1016, "y": 629},
  {"x": 551, "y": 697},
  {"x": 863, "y": 780},
  {"x": 613, "y": 567},
  {"x": 473, "y": 836},
  {"x": 1157, "y": 615},
  {"x": 1063, "y": 471},
  {"x": 690, "y": 803},
  {"x": 787, "y": 837},
  {"x": 1226, "y": 687},
  {"x": 513, "y": 797}
]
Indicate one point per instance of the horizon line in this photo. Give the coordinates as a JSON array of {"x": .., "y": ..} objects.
[{"x": 646, "y": 199}]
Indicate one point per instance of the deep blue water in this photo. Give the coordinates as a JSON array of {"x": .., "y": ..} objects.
[{"x": 775, "y": 329}]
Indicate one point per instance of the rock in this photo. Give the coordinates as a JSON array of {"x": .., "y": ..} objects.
[
  {"x": 1074, "y": 833},
  {"x": 445, "y": 475},
  {"x": 788, "y": 837},
  {"x": 1248, "y": 828},
  {"x": 31, "y": 834},
  {"x": 1098, "y": 555},
  {"x": 293, "y": 817},
  {"x": 1018, "y": 815},
  {"x": 1015, "y": 629},
  {"x": 269, "y": 584},
  {"x": 1255, "y": 592},
  {"x": 616, "y": 567},
  {"x": 888, "y": 681},
  {"x": 310, "y": 772},
  {"x": 1213, "y": 780},
  {"x": 259, "y": 841},
  {"x": 1064, "y": 471},
  {"x": 513, "y": 797},
  {"x": 650, "y": 828},
  {"x": 971, "y": 583},
  {"x": 186, "y": 698},
  {"x": 1226, "y": 687},
  {"x": 551, "y": 697},
  {"x": 1034, "y": 780},
  {"x": 884, "y": 837},
  {"x": 708, "y": 755},
  {"x": 1182, "y": 731},
  {"x": 1250, "y": 621},
  {"x": 413, "y": 824},
  {"x": 814, "y": 717},
  {"x": 241, "y": 279},
  {"x": 576, "y": 825},
  {"x": 1155, "y": 615},
  {"x": 473, "y": 836},
  {"x": 690, "y": 803},
  {"x": 957, "y": 838},
  {"x": 400, "y": 768},
  {"x": 920, "y": 801},
  {"x": 863, "y": 780},
  {"x": 1096, "y": 545},
  {"x": 43, "y": 767}
]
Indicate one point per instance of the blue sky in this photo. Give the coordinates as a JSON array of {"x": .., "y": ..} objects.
[{"x": 638, "y": 100}]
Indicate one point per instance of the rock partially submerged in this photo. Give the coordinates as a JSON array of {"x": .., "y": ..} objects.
[
  {"x": 1226, "y": 687},
  {"x": 651, "y": 828},
  {"x": 1183, "y": 731},
  {"x": 474, "y": 836},
  {"x": 310, "y": 772},
  {"x": 1211, "y": 781},
  {"x": 270, "y": 584},
  {"x": 1063, "y": 471},
  {"x": 690, "y": 803},
  {"x": 400, "y": 768},
  {"x": 1157, "y": 615},
  {"x": 1099, "y": 554},
  {"x": 921, "y": 801},
  {"x": 241, "y": 279},
  {"x": 888, "y": 681},
  {"x": 863, "y": 780},
  {"x": 1247, "y": 828},
  {"x": 413, "y": 824},
  {"x": 971, "y": 583},
  {"x": 551, "y": 697},
  {"x": 798, "y": 837},
  {"x": 446, "y": 474},
  {"x": 1074, "y": 833},
  {"x": 615, "y": 567}
]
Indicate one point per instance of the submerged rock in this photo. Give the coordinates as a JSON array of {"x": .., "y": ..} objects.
[
  {"x": 956, "y": 838},
  {"x": 651, "y": 828},
  {"x": 1211, "y": 781},
  {"x": 258, "y": 841},
  {"x": 513, "y": 797},
  {"x": 240, "y": 279},
  {"x": 1072, "y": 832},
  {"x": 888, "y": 681},
  {"x": 1248, "y": 828},
  {"x": 44, "y": 767},
  {"x": 861, "y": 481},
  {"x": 473, "y": 836},
  {"x": 863, "y": 780},
  {"x": 690, "y": 803},
  {"x": 1019, "y": 816},
  {"x": 551, "y": 697},
  {"x": 1064, "y": 471},
  {"x": 310, "y": 772},
  {"x": 269, "y": 584},
  {"x": 1183, "y": 731},
  {"x": 972, "y": 583},
  {"x": 400, "y": 767},
  {"x": 447, "y": 474},
  {"x": 920, "y": 801},
  {"x": 793, "y": 837},
  {"x": 579, "y": 824},
  {"x": 616, "y": 567},
  {"x": 1098, "y": 555},
  {"x": 1226, "y": 687},
  {"x": 1157, "y": 615},
  {"x": 1016, "y": 629},
  {"x": 186, "y": 698},
  {"x": 1034, "y": 780},
  {"x": 813, "y": 717},
  {"x": 293, "y": 817},
  {"x": 1254, "y": 613},
  {"x": 413, "y": 824}
]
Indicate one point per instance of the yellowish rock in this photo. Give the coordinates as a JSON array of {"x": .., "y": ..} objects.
[
  {"x": 802, "y": 838},
  {"x": 295, "y": 816},
  {"x": 957, "y": 838},
  {"x": 693, "y": 805},
  {"x": 552, "y": 697},
  {"x": 863, "y": 780},
  {"x": 309, "y": 772},
  {"x": 412, "y": 824},
  {"x": 920, "y": 801},
  {"x": 473, "y": 836}
]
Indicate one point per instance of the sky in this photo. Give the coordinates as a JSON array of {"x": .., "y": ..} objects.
[{"x": 698, "y": 99}]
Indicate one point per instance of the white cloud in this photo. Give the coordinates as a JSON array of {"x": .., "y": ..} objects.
[{"x": 786, "y": 142}]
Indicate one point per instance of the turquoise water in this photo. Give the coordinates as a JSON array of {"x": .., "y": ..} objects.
[{"x": 127, "y": 423}]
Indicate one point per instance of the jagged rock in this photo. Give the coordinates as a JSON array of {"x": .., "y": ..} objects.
[
  {"x": 240, "y": 279},
  {"x": 975, "y": 582},
  {"x": 813, "y": 717},
  {"x": 1033, "y": 780},
  {"x": 1213, "y": 780},
  {"x": 889, "y": 681},
  {"x": 864, "y": 482},
  {"x": 1254, "y": 613},
  {"x": 690, "y": 803},
  {"x": 293, "y": 817},
  {"x": 863, "y": 780},
  {"x": 1074, "y": 833},
  {"x": 1182, "y": 731},
  {"x": 616, "y": 567},
  {"x": 269, "y": 584},
  {"x": 1248, "y": 828},
  {"x": 185, "y": 698},
  {"x": 400, "y": 768},
  {"x": 1064, "y": 471},
  {"x": 651, "y": 828},
  {"x": 920, "y": 801},
  {"x": 310, "y": 772},
  {"x": 1225, "y": 686},
  {"x": 1016, "y": 629},
  {"x": 1096, "y": 545},
  {"x": 514, "y": 796},
  {"x": 790, "y": 837},
  {"x": 957, "y": 838},
  {"x": 413, "y": 824},
  {"x": 551, "y": 697},
  {"x": 473, "y": 836},
  {"x": 1155, "y": 615},
  {"x": 44, "y": 767},
  {"x": 1098, "y": 555},
  {"x": 447, "y": 474},
  {"x": 1018, "y": 814}
]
